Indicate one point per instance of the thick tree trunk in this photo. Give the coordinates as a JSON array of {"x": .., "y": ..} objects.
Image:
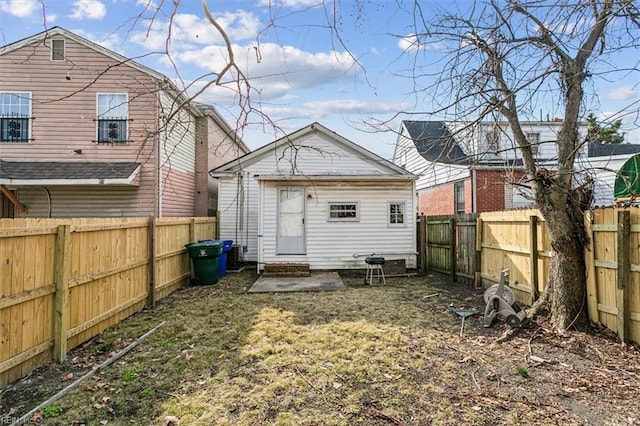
[{"x": 567, "y": 277}]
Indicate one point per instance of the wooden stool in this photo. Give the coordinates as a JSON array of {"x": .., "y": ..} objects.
[{"x": 374, "y": 268}]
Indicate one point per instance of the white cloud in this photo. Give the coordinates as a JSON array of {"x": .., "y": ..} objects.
[
  {"x": 276, "y": 70},
  {"x": 293, "y": 4},
  {"x": 352, "y": 106},
  {"x": 88, "y": 9},
  {"x": 622, "y": 93},
  {"x": 112, "y": 41},
  {"x": 189, "y": 31},
  {"x": 20, "y": 8},
  {"x": 414, "y": 42}
]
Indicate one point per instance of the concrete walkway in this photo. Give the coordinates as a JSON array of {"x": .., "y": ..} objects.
[{"x": 320, "y": 281}]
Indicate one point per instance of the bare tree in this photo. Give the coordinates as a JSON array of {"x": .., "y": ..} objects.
[{"x": 504, "y": 60}]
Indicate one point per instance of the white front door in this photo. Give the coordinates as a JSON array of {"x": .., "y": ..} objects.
[{"x": 291, "y": 202}]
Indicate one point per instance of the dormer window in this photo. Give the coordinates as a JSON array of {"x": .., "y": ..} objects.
[
  {"x": 57, "y": 50},
  {"x": 112, "y": 114}
]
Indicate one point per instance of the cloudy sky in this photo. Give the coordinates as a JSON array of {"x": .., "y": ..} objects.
[{"x": 299, "y": 69}]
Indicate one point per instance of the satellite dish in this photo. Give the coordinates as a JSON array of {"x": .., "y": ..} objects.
[{"x": 627, "y": 184}]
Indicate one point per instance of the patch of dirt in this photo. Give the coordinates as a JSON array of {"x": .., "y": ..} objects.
[{"x": 374, "y": 355}]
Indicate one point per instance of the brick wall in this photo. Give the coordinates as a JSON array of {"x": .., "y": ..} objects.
[
  {"x": 489, "y": 190},
  {"x": 439, "y": 199}
]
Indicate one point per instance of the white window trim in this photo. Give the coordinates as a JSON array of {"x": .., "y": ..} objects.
[
  {"x": 64, "y": 50},
  {"x": 404, "y": 214},
  {"x": 29, "y": 116},
  {"x": 126, "y": 95},
  {"x": 343, "y": 219}
]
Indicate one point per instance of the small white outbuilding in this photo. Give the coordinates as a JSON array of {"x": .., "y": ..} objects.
[{"x": 316, "y": 198}]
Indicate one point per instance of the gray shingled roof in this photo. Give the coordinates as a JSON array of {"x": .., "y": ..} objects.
[
  {"x": 599, "y": 149},
  {"x": 58, "y": 170},
  {"x": 434, "y": 142}
]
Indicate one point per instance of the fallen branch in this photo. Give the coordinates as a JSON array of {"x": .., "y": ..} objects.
[
  {"x": 26, "y": 418},
  {"x": 377, "y": 413}
]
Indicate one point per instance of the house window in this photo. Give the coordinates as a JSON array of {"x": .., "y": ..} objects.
[
  {"x": 343, "y": 212},
  {"x": 396, "y": 213},
  {"x": 57, "y": 50},
  {"x": 492, "y": 141},
  {"x": 15, "y": 113},
  {"x": 112, "y": 117},
  {"x": 534, "y": 142},
  {"x": 458, "y": 197}
]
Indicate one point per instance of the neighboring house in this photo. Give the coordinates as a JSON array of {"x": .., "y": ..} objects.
[
  {"x": 85, "y": 131},
  {"x": 465, "y": 168},
  {"x": 604, "y": 163},
  {"x": 316, "y": 198}
]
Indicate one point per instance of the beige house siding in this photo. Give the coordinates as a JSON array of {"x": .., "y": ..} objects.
[
  {"x": 64, "y": 96},
  {"x": 162, "y": 134},
  {"x": 177, "y": 159}
]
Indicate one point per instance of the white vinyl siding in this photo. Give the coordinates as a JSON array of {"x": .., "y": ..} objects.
[
  {"x": 342, "y": 212},
  {"x": 248, "y": 208},
  {"x": 238, "y": 206},
  {"x": 397, "y": 213},
  {"x": 344, "y": 244},
  {"x": 429, "y": 173}
]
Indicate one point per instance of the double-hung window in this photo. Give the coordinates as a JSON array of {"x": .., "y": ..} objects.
[
  {"x": 15, "y": 115},
  {"x": 397, "y": 213},
  {"x": 458, "y": 197},
  {"x": 534, "y": 142},
  {"x": 113, "y": 112}
]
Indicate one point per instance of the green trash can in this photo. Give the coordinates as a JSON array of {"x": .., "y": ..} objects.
[{"x": 205, "y": 261}]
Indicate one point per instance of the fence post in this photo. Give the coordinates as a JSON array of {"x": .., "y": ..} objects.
[
  {"x": 623, "y": 273},
  {"x": 151, "y": 292},
  {"x": 62, "y": 274},
  {"x": 533, "y": 257},
  {"x": 452, "y": 248},
  {"x": 590, "y": 266},
  {"x": 217, "y": 233},
  {"x": 425, "y": 262},
  {"x": 192, "y": 230},
  {"x": 478, "y": 274}
]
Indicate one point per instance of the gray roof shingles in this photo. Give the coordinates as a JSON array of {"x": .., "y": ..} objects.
[
  {"x": 58, "y": 170},
  {"x": 434, "y": 142}
]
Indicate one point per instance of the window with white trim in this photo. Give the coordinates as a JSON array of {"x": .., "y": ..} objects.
[
  {"x": 113, "y": 113},
  {"x": 534, "y": 142},
  {"x": 347, "y": 212},
  {"x": 15, "y": 116},
  {"x": 458, "y": 197},
  {"x": 397, "y": 213},
  {"x": 57, "y": 50}
]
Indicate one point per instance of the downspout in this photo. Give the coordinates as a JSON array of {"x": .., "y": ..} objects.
[
  {"x": 245, "y": 247},
  {"x": 162, "y": 128},
  {"x": 239, "y": 198}
]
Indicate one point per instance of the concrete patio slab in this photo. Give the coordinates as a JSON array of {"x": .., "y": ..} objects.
[{"x": 317, "y": 281}]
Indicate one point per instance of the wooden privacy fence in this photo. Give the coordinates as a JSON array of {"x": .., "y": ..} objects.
[
  {"x": 518, "y": 240},
  {"x": 447, "y": 244},
  {"x": 63, "y": 281}
]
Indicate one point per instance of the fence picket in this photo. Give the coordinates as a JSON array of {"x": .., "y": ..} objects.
[{"x": 82, "y": 276}]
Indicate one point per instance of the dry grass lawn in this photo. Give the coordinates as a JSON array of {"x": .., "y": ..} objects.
[{"x": 382, "y": 355}]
